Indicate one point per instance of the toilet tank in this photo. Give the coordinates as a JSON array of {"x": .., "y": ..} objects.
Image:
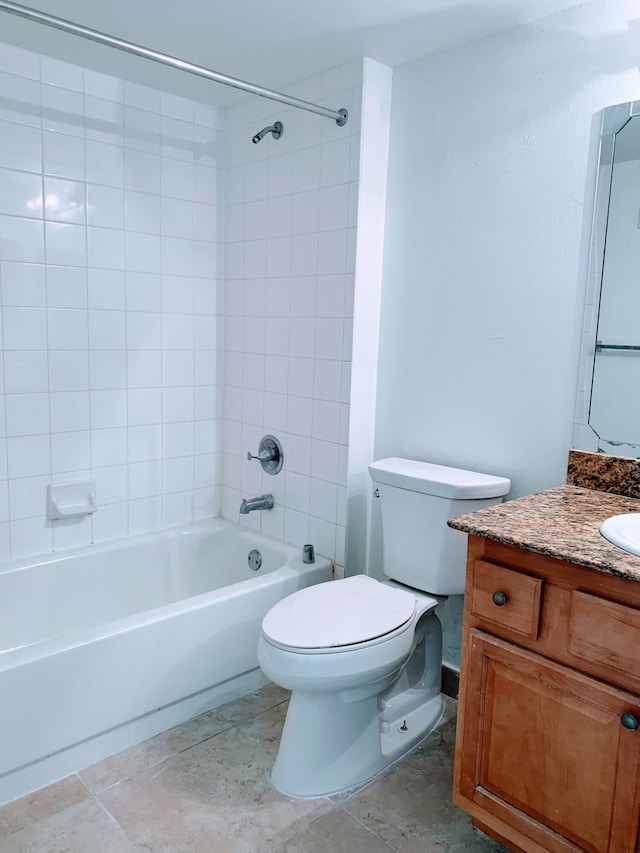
[{"x": 417, "y": 499}]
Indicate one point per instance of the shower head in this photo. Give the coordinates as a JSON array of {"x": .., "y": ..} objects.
[{"x": 276, "y": 129}]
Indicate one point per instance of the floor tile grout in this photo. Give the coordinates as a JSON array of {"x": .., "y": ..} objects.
[{"x": 223, "y": 799}]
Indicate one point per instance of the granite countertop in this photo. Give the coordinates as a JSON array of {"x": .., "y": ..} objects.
[{"x": 561, "y": 522}]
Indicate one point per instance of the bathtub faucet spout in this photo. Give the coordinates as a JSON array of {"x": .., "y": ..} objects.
[{"x": 249, "y": 504}]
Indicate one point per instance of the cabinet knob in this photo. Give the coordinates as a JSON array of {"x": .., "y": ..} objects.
[
  {"x": 499, "y": 598},
  {"x": 630, "y": 722}
]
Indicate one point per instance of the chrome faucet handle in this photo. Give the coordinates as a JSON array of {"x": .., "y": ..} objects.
[
  {"x": 264, "y": 456},
  {"x": 270, "y": 454}
]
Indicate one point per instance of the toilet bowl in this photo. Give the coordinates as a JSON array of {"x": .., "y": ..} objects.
[
  {"x": 338, "y": 673},
  {"x": 363, "y": 657}
]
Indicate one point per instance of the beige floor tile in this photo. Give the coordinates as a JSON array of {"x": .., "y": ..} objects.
[
  {"x": 82, "y": 828},
  {"x": 266, "y": 727},
  {"x": 410, "y": 806},
  {"x": 41, "y": 805},
  {"x": 336, "y": 832},
  {"x": 213, "y": 797},
  {"x": 152, "y": 751},
  {"x": 244, "y": 709}
]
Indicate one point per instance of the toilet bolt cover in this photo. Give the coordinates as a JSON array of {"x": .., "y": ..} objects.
[{"x": 338, "y": 613}]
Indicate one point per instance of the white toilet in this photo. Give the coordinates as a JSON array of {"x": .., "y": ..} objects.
[{"x": 363, "y": 658}]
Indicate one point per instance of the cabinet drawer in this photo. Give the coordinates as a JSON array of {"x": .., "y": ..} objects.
[
  {"x": 506, "y": 598},
  {"x": 605, "y": 632}
]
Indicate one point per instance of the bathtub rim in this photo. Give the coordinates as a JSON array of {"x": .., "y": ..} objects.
[{"x": 24, "y": 654}]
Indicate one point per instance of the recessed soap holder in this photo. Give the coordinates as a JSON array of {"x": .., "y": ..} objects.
[{"x": 71, "y": 500}]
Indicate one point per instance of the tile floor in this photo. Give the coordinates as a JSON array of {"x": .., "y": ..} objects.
[{"x": 203, "y": 787}]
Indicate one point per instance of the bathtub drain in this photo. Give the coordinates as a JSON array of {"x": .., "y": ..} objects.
[{"x": 255, "y": 560}]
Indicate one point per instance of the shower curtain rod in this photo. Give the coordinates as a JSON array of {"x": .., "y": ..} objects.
[{"x": 339, "y": 116}]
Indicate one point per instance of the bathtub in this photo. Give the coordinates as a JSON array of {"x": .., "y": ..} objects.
[{"x": 105, "y": 646}]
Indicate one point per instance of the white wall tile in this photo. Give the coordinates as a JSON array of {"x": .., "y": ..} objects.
[
  {"x": 106, "y": 289},
  {"x": 144, "y": 368},
  {"x": 107, "y": 330},
  {"x": 144, "y": 406},
  {"x": 64, "y": 155},
  {"x": 29, "y": 455},
  {"x": 112, "y": 485},
  {"x": 62, "y": 109},
  {"x": 67, "y": 329},
  {"x": 70, "y": 451},
  {"x": 64, "y": 200},
  {"x": 68, "y": 371},
  {"x": 177, "y": 368},
  {"x": 112, "y": 522},
  {"x": 145, "y": 479},
  {"x": 20, "y": 193},
  {"x": 24, "y": 328},
  {"x": 27, "y": 496},
  {"x": 30, "y": 536},
  {"x": 108, "y": 409},
  {"x": 142, "y": 252},
  {"x": 66, "y": 245},
  {"x": 66, "y": 287},
  {"x": 145, "y": 516},
  {"x": 144, "y": 331},
  {"x": 103, "y": 86},
  {"x": 19, "y": 61},
  {"x": 142, "y": 129},
  {"x": 107, "y": 369},
  {"x": 108, "y": 447},
  {"x": 177, "y": 404},
  {"x": 23, "y": 284},
  {"x": 143, "y": 292},
  {"x": 21, "y": 240},
  {"x": 25, "y": 371},
  {"x": 141, "y": 171},
  {"x": 178, "y": 439},
  {"x": 27, "y": 414},
  {"x": 104, "y": 164},
  {"x": 105, "y": 206},
  {"x": 323, "y": 536},
  {"x": 25, "y": 105},
  {"x": 144, "y": 445},
  {"x": 177, "y": 508},
  {"x": 69, "y": 410}
]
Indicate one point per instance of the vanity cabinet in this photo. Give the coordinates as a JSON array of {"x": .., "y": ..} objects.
[{"x": 548, "y": 743}]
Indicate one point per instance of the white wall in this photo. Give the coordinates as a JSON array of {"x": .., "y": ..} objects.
[
  {"x": 491, "y": 177},
  {"x": 490, "y": 189},
  {"x": 289, "y": 293},
  {"x": 108, "y": 273}
]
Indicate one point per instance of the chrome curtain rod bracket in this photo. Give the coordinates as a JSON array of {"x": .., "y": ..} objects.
[{"x": 339, "y": 116}]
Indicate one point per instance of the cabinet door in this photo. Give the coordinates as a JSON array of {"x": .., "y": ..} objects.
[{"x": 541, "y": 741}]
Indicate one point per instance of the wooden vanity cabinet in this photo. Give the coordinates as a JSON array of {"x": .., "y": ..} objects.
[{"x": 548, "y": 745}]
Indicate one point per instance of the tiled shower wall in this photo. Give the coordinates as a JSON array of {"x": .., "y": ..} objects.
[
  {"x": 108, "y": 273},
  {"x": 289, "y": 284}
]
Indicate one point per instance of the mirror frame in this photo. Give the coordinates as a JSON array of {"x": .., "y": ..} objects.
[{"x": 584, "y": 436}]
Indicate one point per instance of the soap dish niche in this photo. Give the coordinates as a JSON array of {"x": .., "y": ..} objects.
[{"x": 71, "y": 500}]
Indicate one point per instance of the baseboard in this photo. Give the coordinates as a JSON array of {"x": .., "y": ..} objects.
[{"x": 450, "y": 681}]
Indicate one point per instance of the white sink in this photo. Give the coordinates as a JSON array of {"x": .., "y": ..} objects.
[{"x": 623, "y": 531}]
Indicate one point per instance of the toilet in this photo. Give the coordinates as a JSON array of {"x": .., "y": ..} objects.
[{"x": 363, "y": 657}]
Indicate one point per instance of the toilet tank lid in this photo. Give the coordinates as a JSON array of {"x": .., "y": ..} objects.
[{"x": 438, "y": 480}]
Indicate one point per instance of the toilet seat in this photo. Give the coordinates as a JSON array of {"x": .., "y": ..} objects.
[{"x": 338, "y": 614}]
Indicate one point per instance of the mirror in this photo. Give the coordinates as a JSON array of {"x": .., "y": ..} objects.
[{"x": 608, "y": 416}]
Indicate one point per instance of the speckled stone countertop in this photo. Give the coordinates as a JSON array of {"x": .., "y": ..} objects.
[{"x": 561, "y": 522}]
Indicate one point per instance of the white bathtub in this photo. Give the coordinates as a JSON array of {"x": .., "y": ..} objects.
[{"x": 105, "y": 646}]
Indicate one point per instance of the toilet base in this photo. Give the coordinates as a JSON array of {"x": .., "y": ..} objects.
[{"x": 330, "y": 744}]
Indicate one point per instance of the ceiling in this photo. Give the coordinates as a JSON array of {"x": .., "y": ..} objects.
[{"x": 269, "y": 43}]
